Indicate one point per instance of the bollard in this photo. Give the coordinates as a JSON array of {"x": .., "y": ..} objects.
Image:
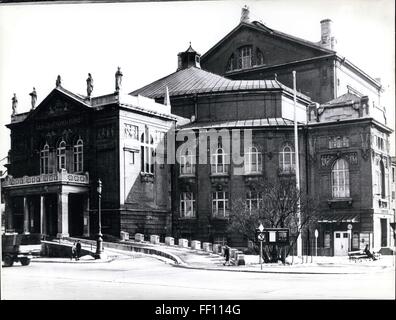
[
  {"x": 196, "y": 245},
  {"x": 139, "y": 237},
  {"x": 207, "y": 246},
  {"x": 169, "y": 241},
  {"x": 183, "y": 243},
  {"x": 154, "y": 239}
]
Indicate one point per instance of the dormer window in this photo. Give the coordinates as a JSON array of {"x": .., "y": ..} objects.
[
  {"x": 245, "y": 57},
  {"x": 230, "y": 63}
]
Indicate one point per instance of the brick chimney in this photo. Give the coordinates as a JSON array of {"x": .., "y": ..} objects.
[
  {"x": 245, "y": 14},
  {"x": 327, "y": 40}
]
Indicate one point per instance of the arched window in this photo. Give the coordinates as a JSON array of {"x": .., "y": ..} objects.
[
  {"x": 78, "y": 156},
  {"x": 147, "y": 153},
  {"x": 245, "y": 57},
  {"x": 44, "y": 159},
  {"x": 254, "y": 200},
  {"x": 287, "y": 159},
  {"x": 187, "y": 162},
  {"x": 218, "y": 162},
  {"x": 61, "y": 155},
  {"x": 340, "y": 179},
  {"x": 231, "y": 63},
  {"x": 253, "y": 161}
]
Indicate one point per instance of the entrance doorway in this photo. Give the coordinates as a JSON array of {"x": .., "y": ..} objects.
[
  {"x": 76, "y": 215},
  {"x": 341, "y": 243}
]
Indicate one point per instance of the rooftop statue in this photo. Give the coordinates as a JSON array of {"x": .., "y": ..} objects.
[
  {"x": 33, "y": 94},
  {"x": 118, "y": 79},
  {"x": 58, "y": 81},
  {"x": 14, "y": 104},
  {"x": 89, "y": 85}
]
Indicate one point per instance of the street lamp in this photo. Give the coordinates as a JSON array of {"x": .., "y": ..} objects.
[{"x": 99, "y": 241}]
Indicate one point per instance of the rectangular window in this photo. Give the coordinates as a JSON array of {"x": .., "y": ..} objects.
[
  {"x": 187, "y": 164},
  {"x": 187, "y": 205},
  {"x": 131, "y": 157},
  {"x": 355, "y": 241},
  {"x": 253, "y": 200},
  {"x": 220, "y": 204},
  {"x": 384, "y": 233}
]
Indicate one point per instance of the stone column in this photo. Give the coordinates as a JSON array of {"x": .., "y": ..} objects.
[
  {"x": 86, "y": 215},
  {"x": 43, "y": 218},
  {"x": 63, "y": 215},
  {"x": 8, "y": 212},
  {"x": 26, "y": 221}
]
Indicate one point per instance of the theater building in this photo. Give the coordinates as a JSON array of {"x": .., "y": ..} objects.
[{"x": 243, "y": 85}]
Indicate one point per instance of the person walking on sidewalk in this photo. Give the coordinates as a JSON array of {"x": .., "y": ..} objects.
[
  {"x": 227, "y": 255},
  {"x": 78, "y": 250},
  {"x": 73, "y": 251}
]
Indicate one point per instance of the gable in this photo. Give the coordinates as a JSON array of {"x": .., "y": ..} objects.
[
  {"x": 58, "y": 104},
  {"x": 276, "y": 48}
]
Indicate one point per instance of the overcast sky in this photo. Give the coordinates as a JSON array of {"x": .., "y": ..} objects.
[{"x": 38, "y": 42}]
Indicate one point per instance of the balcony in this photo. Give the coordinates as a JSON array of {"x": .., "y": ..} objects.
[{"x": 62, "y": 177}]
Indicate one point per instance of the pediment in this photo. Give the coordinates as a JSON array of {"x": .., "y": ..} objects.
[{"x": 58, "y": 104}]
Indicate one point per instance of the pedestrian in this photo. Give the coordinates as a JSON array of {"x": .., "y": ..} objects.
[
  {"x": 73, "y": 251},
  {"x": 78, "y": 250},
  {"x": 226, "y": 255}
]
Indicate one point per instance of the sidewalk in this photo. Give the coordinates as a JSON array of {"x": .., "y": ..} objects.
[{"x": 199, "y": 259}]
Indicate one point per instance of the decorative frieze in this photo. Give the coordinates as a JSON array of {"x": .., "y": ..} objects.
[{"x": 327, "y": 160}]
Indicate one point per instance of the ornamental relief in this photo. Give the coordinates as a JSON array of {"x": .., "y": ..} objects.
[{"x": 327, "y": 160}]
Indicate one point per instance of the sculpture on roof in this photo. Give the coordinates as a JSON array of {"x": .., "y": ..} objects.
[
  {"x": 118, "y": 80},
  {"x": 14, "y": 104},
  {"x": 89, "y": 85},
  {"x": 33, "y": 96},
  {"x": 58, "y": 81}
]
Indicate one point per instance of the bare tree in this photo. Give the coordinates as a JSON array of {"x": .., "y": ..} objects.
[{"x": 276, "y": 208}]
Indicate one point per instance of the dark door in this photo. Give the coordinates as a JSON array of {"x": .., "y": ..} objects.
[{"x": 76, "y": 216}]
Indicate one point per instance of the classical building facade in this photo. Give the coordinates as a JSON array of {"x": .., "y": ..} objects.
[
  {"x": 241, "y": 86},
  {"x": 61, "y": 148}
]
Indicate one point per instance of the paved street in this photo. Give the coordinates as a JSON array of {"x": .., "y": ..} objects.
[{"x": 145, "y": 277}]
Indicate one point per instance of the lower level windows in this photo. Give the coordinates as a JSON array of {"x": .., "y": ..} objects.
[
  {"x": 220, "y": 206},
  {"x": 187, "y": 205}
]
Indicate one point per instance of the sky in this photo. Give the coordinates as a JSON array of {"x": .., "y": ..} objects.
[{"x": 38, "y": 42}]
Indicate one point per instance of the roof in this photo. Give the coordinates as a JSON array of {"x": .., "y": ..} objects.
[
  {"x": 261, "y": 27},
  {"x": 346, "y": 98},
  {"x": 261, "y": 122},
  {"x": 194, "y": 80}
]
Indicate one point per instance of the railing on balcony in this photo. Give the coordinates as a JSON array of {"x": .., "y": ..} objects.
[{"x": 57, "y": 177}]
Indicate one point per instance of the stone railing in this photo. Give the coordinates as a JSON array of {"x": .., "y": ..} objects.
[{"x": 62, "y": 177}]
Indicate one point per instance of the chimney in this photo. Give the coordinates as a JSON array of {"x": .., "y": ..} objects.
[
  {"x": 327, "y": 40},
  {"x": 245, "y": 14}
]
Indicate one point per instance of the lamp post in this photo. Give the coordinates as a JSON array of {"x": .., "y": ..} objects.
[{"x": 99, "y": 241}]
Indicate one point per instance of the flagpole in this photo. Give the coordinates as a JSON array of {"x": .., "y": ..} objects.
[{"x": 299, "y": 239}]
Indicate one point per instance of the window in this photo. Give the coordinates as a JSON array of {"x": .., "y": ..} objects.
[
  {"x": 187, "y": 163},
  {"x": 382, "y": 189},
  {"x": 393, "y": 174},
  {"x": 253, "y": 161},
  {"x": 340, "y": 179},
  {"x": 259, "y": 57},
  {"x": 187, "y": 205},
  {"x": 230, "y": 63},
  {"x": 220, "y": 204},
  {"x": 245, "y": 57},
  {"x": 218, "y": 162},
  {"x": 147, "y": 153},
  {"x": 78, "y": 156},
  {"x": 287, "y": 159},
  {"x": 61, "y": 155},
  {"x": 253, "y": 200},
  {"x": 44, "y": 159},
  {"x": 130, "y": 157}
]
